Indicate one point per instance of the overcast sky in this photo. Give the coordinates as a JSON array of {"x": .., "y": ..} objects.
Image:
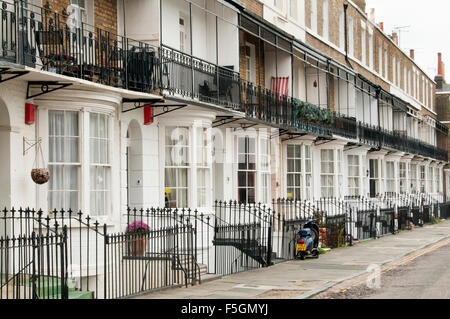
[{"x": 427, "y": 32}]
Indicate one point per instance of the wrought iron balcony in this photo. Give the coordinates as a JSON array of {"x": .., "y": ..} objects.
[
  {"x": 378, "y": 137},
  {"x": 188, "y": 76},
  {"x": 39, "y": 38},
  {"x": 290, "y": 113}
]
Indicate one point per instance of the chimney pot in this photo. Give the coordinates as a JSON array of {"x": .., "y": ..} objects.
[
  {"x": 395, "y": 37},
  {"x": 372, "y": 14},
  {"x": 441, "y": 66},
  {"x": 411, "y": 54},
  {"x": 382, "y": 26}
]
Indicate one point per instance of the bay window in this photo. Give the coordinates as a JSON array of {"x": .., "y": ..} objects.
[
  {"x": 100, "y": 163},
  {"x": 187, "y": 166},
  {"x": 298, "y": 171},
  {"x": 64, "y": 160},
  {"x": 374, "y": 178},
  {"x": 294, "y": 171},
  {"x": 430, "y": 180},
  {"x": 264, "y": 169},
  {"x": 390, "y": 177},
  {"x": 422, "y": 178},
  {"x": 403, "y": 178},
  {"x": 308, "y": 172},
  {"x": 203, "y": 166},
  {"x": 327, "y": 173},
  {"x": 414, "y": 179},
  {"x": 437, "y": 178},
  {"x": 177, "y": 166},
  {"x": 69, "y": 187},
  {"x": 246, "y": 169},
  {"x": 354, "y": 185}
]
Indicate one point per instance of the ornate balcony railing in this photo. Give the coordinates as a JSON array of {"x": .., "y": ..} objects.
[
  {"x": 44, "y": 40},
  {"x": 39, "y": 38},
  {"x": 191, "y": 77},
  {"x": 290, "y": 113},
  {"x": 379, "y": 137}
]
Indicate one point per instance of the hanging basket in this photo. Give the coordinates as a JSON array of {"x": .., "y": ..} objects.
[{"x": 40, "y": 175}]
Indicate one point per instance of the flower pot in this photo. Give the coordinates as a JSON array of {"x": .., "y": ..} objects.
[
  {"x": 40, "y": 175},
  {"x": 137, "y": 245}
]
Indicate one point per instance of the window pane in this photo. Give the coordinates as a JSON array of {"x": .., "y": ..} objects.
[
  {"x": 56, "y": 177},
  {"x": 56, "y": 123},
  {"x": 72, "y": 150},
  {"x": 71, "y": 124},
  {"x": 56, "y": 149},
  {"x": 71, "y": 177}
]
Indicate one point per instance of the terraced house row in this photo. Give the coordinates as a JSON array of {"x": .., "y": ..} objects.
[{"x": 178, "y": 104}]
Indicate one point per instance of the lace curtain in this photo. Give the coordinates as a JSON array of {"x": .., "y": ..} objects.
[{"x": 64, "y": 161}]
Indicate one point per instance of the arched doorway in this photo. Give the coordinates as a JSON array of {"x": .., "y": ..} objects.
[
  {"x": 134, "y": 156},
  {"x": 5, "y": 160}
]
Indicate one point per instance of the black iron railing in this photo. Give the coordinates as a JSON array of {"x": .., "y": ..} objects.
[
  {"x": 34, "y": 266},
  {"x": 191, "y": 77},
  {"x": 39, "y": 38},
  {"x": 379, "y": 137},
  {"x": 99, "y": 262}
]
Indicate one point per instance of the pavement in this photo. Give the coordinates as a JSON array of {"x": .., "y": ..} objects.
[
  {"x": 305, "y": 279},
  {"x": 427, "y": 277}
]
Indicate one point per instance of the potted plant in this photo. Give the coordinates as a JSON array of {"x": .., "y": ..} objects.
[{"x": 137, "y": 238}]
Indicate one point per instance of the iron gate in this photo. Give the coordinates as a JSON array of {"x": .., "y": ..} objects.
[
  {"x": 34, "y": 267},
  {"x": 365, "y": 224},
  {"x": 387, "y": 220},
  {"x": 417, "y": 216},
  {"x": 402, "y": 217}
]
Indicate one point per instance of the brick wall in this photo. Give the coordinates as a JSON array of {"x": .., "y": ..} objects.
[
  {"x": 254, "y": 6},
  {"x": 105, "y": 12},
  {"x": 57, "y": 5},
  {"x": 379, "y": 39},
  {"x": 105, "y": 15}
]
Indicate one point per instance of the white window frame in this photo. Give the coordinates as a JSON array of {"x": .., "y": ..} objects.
[
  {"x": 354, "y": 190},
  {"x": 314, "y": 14},
  {"x": 186, "y": 166},
  {"x": 325, "y": 19},
  {"x": 63, "y": 164},
  {"x": 327, "y": 190},
  {"x": 248, "y": 170},
  {"x": 341, "y": 30},
  {"x": 371, "y": 55},
  {"x": 403, "y": 177},
  {"x": 104, "y": 166},
  {"x": 264, "y": 172},
  {"x": 390, "y": 177},
  {"x": 363, "y": 43},
  {"x": 304, "y": 172},
  {"x": 84, "y": 155},
  {"x": 351, "y": 38}
]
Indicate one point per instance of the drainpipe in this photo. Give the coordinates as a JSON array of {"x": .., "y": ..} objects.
[
  {"x": 346, "y": 35},
  {"x": 124, "y": 20}
]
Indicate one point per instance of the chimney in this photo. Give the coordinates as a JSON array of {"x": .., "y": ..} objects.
[
  {"x": 381, "y": 24},
  {"x": 395, "y": 37},
  {"x": 372, "y": 14},
  {"x": 441, "y": 66},
  {"x": 361, "y": 4},
  {"x": 411, "y": 54}
]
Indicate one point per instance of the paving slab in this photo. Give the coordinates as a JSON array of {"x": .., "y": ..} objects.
[{"x": 302, "y": 279}]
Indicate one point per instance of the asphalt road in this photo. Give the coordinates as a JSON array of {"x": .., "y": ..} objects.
[{"x": 426, "y": 277}]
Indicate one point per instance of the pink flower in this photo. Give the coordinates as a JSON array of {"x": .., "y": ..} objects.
[{"x": 138, "y": 227}]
